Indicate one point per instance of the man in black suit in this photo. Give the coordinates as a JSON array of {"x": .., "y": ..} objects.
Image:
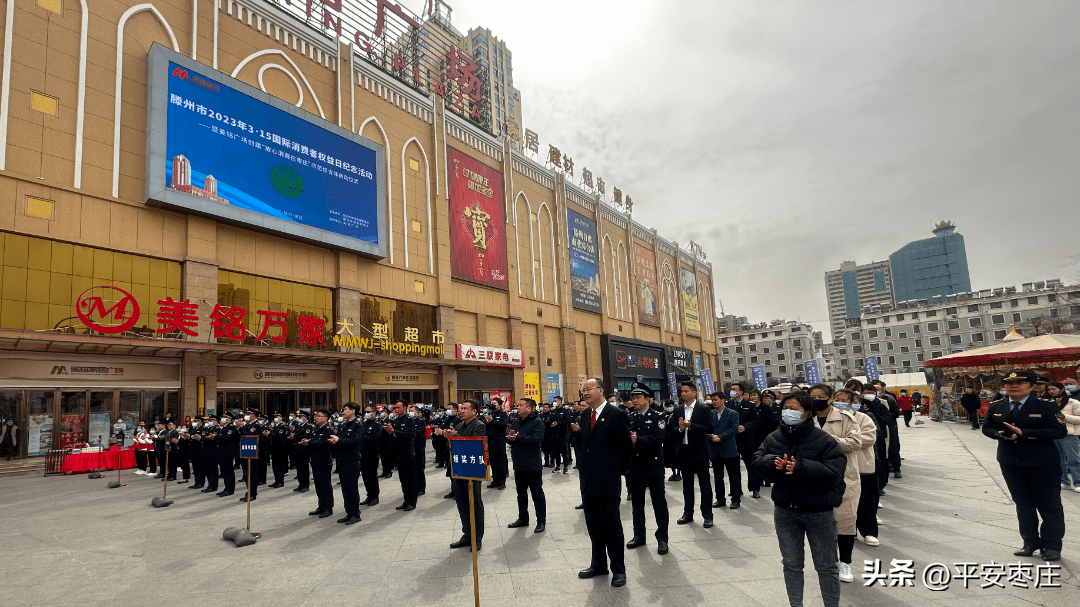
[
  {"x": 971, "y": 403},
  {"x": 604, "y": 457},
  {"x": 1026, "y": 428},
  {"x": 695, "y": 424}
]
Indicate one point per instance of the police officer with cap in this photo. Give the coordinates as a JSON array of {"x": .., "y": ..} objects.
[
  {"x": 228, "y": 448},
  {"x": 1026, "y": 428},
  {"x": 279, "y": 450},
  {"x": 647, "y": 466},
  {"x": 302, "y": 432}
]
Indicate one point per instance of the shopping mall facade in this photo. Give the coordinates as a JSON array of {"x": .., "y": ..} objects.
[{"x": 214, "y": 204}]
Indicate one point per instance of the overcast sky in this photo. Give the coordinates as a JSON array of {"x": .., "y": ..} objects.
[{"x": 787, "y": 137}]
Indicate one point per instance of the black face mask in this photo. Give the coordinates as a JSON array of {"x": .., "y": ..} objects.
[{"x": 820, "y": 404}]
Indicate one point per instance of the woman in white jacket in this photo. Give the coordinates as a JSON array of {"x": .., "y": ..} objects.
[{"x": 1069, "y": 446}]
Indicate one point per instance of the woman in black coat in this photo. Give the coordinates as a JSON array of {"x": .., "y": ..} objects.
[{"x": 806, "y": 467}]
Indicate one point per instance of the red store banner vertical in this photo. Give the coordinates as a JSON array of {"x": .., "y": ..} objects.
[{"x": 477, "y": 222}]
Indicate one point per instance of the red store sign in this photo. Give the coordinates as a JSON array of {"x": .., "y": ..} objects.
[{"x": 496, "y": 357}]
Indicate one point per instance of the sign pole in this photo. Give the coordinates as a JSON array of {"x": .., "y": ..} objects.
[
  {"x": 118, "y": 459},
  {"x": 472, "y": 538},
  {"x": 165, "y": 491},
  {"x": 248, "y": 500}
]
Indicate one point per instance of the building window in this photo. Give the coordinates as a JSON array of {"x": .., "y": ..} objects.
[
  {"x": 798, "y": 355},
  {"x": 783, "y": 369},
  {"x": 768, "y": 362},
  {"x": 858, "y": 362},
  {"x": 742, "y": 373},
  {"x": 727, "y": 373},
  {"x": 724, "y": 350},
  {"x": 1054, "y": 313},
  {"x": 798, "y": 368},
  {"x": 973, "y": 307},
  {"x": 1014, "y": 303},
  {"x": 902, "y": 335},
  {"x": 892, "y": 360},
  {"x": 871, "y": 334},
  {"x": 1000, "y": 334},
  {"x": 950, "y": 311},
  {"x": 856, "y": 349},
  {"x": 843, "y": 351},
  {"x": 777, "y": 333},
  {"x": 977, "y": 337},
  {"x": 871, "y": 321},
  {"x": 875, "y": 347},
  {"x": 918, "y": 343},
  {"x": 753, "y": 360},
  {"x": 995, "y": 305},
  {"x": 856, "y": 337},
  {"x": 899, "y": 317},
  {"x": 740, "y": 361},
  {"x": 889, "y": 345},
  {"x": 780, "y": 356},
  {"x": 1016, "y": 317},
  {"x": 932, "y": 327},
  {"x": 954, "y": 324},
  {"x": 796, "y": 343},
  {"x": 888, "y": 332},
  {"x": 919, "y": 357},
  {"x": 907, "y": 364},
  {"x": 1051, "y": 298},
  {"x": 904, "y": 349},
  {"x": 765, "y": 350},
  {"x": 916, "y": 328},
  {"x": 935, "y": 354},
  {"x": 723, "y": 340},
  {"x": 1033, "y": 300},
  {"x": 931, "y": 313},
  {"x": 738, "y": 349},
  {"x": 727, "y": 363},
  {"x": 935, "y": 341},
  {"x": 753, "y": 347},
  {"x": 843, "y": 362},
  {"x": 1074, "y": 310},
  {"x": 764, "y": 336},
  {"x": 974, "y": 322},
  {"x": 956, "y": 340},
  {"x": 998, "y": 319},
  {"x": 779, "y": 344},
  {"x": 914, "y": 316}
]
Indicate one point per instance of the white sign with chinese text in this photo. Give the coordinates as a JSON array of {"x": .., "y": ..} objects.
[{"x": 500, "y": 357}]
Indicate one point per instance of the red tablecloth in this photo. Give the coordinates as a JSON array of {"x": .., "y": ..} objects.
[{"x": 83, "y": 462}]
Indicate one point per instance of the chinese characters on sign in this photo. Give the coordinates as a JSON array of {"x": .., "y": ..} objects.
[
  {"x": 388, "y": 326},
  {"x": 688, "y": 286},
  {"x": 499, "y": 357},
  {"x": 477, "y": 222},
  {"x": 938, "y": 576},
  {"x": 584, "y": 262}
]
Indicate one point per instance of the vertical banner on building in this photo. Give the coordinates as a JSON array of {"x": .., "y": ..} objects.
[
  {"x": 706, "y": 381},
  {"x": 554, "y": 386},
  {"x": 532, "y": 385},
  {"x": 584, "y": 263},
  {"x": 813, "y": 373},
  {"x": 477, "y": 222},
  {"x": 648, "y": 293},
  {"x": 870, "y": 368},
  {"x": 673, "y": 388},
  {"x": 688, "y": 286},
  {"x": 757, "y": 374}
]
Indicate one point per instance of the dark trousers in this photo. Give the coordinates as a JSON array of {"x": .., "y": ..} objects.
[
  {"x": 973, "y": 414},
  {"x": 324, "y": 488},
  {"x": 655, "y": 486},
  {"x": 197, "y": 469},
  {"x": 497, "y": 451},
  {"x": 261, "y": 465},
  {"x": 418, "y": 470},
  {"x": 526, "y": 481},
  {"x": 604, "y": 524},
  {"x": 753, "y": 481},
  {"x": 387, "y": 457},
  {"x": 568, "y": 452},
  {"x": 894, "y": 448},
  {"x": 279, "y": 460},
  {"x": 407, "y": 478},
  {"x": 441, "y": 447},
  {"x": 303, "y": 473},
  {"x": 181, "y": 463},
  {"x": 227, "y": 473},
  {"x": 140, "y": 459},
  {"x": 1036, "y": 491},
  {"x": 690, "y": 470},
  {"x": 210, "y": 465},
  {"x": 369, "y": 470},
  {"x": 907, "y": 418},
  {"x": 734, "y": 472},
  {"x": 866, "y": 512},
  {"x": 881, "y": 461},
  {"x": 461, "y": 496},
  {"x": 349, "y": 475},
  {"x": 160, "y": 457}
]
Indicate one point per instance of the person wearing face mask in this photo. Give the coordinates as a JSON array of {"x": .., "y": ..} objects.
[
  {"x": 346, "y": 448},
  {"x": 496, "y": 422},
  {"x": 208, "y": 439},
  {"x": 672, "y": 439},
  {"x": 369, "y": 454},
  {"x": 250, "y": 427},
  {"x": 889, "y": 401},
  {"x": 867, "y": 401},
  {"x": 228, "y": 447},
  {"x": 806, "y": 467},
  {"x": 195, "y": 452},
  {"x": 746, "y": 439},
  {"x": 141, "y": 436},
  {"x": 866, "y": 521},
  {"x": 300, "y": 454},
  {"x": 420, "y": 424},
  {"x": 386, "y": 446},
  {"x": 438, "y": 441},
  {"x": 1069, "y": 445},
  {"x": 319, "y": 449},
  {"x": 279, "y": 450},
  {"x": 402, "y": 432},
  {"x": 838, "y": 421}
]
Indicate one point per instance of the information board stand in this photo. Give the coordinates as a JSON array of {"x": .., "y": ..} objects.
[
  {"x": 249, "y": 450},
  {"x": 469, "y": 461}
]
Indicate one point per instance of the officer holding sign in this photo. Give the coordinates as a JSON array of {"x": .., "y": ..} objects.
[{"x": 470, "y": 426}]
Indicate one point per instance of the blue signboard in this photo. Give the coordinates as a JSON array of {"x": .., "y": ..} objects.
[
  {"x": 554, "y": 386},
  {"x": 468, "y": 458},
  {"x": 706, "y": 381},
  {"x": 249, "y": 446},
  {"x": 870, "y": 368},
  {"x": 221, "y": 148},
  {"x": 813, "y": 374},
  {"x": 673, "y": 387},
  {"x": 757, "y": 374},
  {"x": 584, "y": 262}
]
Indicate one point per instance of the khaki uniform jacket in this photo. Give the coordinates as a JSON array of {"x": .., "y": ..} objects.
[{"x": 868, "y": 429}]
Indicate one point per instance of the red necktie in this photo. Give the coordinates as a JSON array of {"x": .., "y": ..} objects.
[{"x": 593, "y": 421}]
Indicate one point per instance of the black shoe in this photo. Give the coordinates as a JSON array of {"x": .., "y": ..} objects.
[
  {"x": 591, "y": 572},
  {"x": 719, "y": 504},
  {"x": 462, "y": 543},
  {"x": 448, "y": 496},
  {"x": 244, "y": 499},
  {"x": 195, "y": 486},
  {"x": 518, "y": 523},
  {"x": 1027, "y": 550},
  {"x": 1051, "y": 555},
  {"x": 579, "y": 507},
  {"x": 565, "y": 471},
  {"x": 661, "y": 547},
  {"x": 316, "y": 511},
  {"x": 618, "y": 580},
  {"x": 304, "y": 489},
  {"x": 755, "y": 494},
  {"x": 678, "y": 477},
  {"x": 209, "y": 490},
  {"x": 420, "y": 492},
  {"x": 409, "y": 508},
  {"x": 181, "y": 482},
  {"x": 490, "y": 486},
  {"x": 897, "y": 474},
  {"x": 224, "y": 493},
  {"x": 540, "y": 527},
  {"x": 707, "y": 524},
  {"x": 401, "y": 507},
  {"x": 298, "y": 490},
  {"x": 350, "y": 519},
  {"x": 479, "y": 545},
  {"x": 635, "y": 542},
  {"x": 277, "y": 485},
  {"x": 326, "y": 513},
  {"x": 686, "y": 518},
  {"x": 500, "y": 487},
  {"x": 881, "y": 492},
  {"x": 366, "y": 502},
  {"x": 735, "y": 505},
  {"x": 159, "y": 476}
]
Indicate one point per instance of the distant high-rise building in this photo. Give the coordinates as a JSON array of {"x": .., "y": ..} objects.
[
  {"x": 931, "y": 266},
  {"x": 852, "y": 287},
  {"x": 496, "y": 61}
]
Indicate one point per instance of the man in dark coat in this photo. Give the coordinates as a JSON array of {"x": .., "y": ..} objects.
[
  {"x": 1027, "y": 428},
  {"x": 403, "y": 443},
  {"x": 346, "y": 442},
  {"x": 319, "y": 448},
  {"x": 647, "y": 466},
  {"x": 369, "y": 455},
  {"x": 497, "y": 422},
  {"x": 971, "y": 402},
  {"x": 526, "y": 435},
  {"x": 605, "y": 456},
  {"x": 470, "y": 425},
  {"x": 694, "y": 420},
  {"x": 746, "y": 439}
]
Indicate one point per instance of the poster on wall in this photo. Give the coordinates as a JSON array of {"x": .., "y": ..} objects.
[
  {"x": 71, "y": 431},
  {"x": 100, "y": 427},
  {"x": 584, "y": 263},
  {"x": 648, "y": 294},
  {"x": 554, "y": 386},
  {"x": 532, "y": 385},
  {"x": 477, "y": 222},
  {"x": 688, "y": 287},
  {"x": 221, "y": 148},
  {"x": 504, "y": 395},
  {"x": 39, "y": 434}
]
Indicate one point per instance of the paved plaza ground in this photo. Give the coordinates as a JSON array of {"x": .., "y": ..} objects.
[{"x": 72, "y": 541}]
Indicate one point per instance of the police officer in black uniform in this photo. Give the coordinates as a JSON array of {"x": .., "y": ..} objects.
[
  {"x": 319, "y": 449},
  {"x": 402, "y": 435},
  {"x": 746, "y": 439},
  {"x": 347, "y": 441},
  {"x": 279, "y": 450},
  {"x": 195, "y": 452},
  {"x": 497, "y": 422},
  {"x": 252, "y": 427},
  {"x": 547, "y": 446},
  {"x": 208, "y": 438},
  {"x": 647, "y": 431},
  {"x": 228, "y": 448},
  {"x": 386, "y": 447},
  {"x": 438, "y": 441},
  {"x": 1026, "y": 428},
  {"x": 420, "y": 424},
  {"x": 263, "y": 464},
  {"x": 369, "y": 454},
  {"x": 302, "y": 432}
]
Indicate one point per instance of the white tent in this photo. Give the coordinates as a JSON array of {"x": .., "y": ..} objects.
[{"x": 895, "y": 381}]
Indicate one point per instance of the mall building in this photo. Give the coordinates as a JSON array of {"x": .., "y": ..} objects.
[{"x": 240, "y": 204}]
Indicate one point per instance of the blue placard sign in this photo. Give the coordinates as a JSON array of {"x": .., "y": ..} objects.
[
  {"x": 870, "y": 368},
  {"x": 469, "y": 458},
  {"x": 249, "y": 446},
  {"x": 757, "y": 372},
  {"x": 672, "y": 387}
]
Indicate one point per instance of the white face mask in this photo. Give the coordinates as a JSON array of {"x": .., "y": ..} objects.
[
  {"x": 367, "y": 415},
  {"x": 841, "y": 405},
  {"x": 791, "y": 417},
  {"x": 277, "y": 420},
  {"x": 1070, "y": 388},
  {"x": 870, "y": 397},
  {"x": 412, "y": 413},
  {"x": 209, "y": 422},
  {"x": 292, "y": 417},
  {"x": 224, "y": 420},
  {"x": 247, "y": 418}
]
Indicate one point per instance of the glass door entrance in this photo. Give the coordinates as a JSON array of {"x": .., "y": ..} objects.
[{"x": 277, "y": 401}]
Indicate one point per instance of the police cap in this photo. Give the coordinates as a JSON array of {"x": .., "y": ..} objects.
[{"x": 641, "y": 388}]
